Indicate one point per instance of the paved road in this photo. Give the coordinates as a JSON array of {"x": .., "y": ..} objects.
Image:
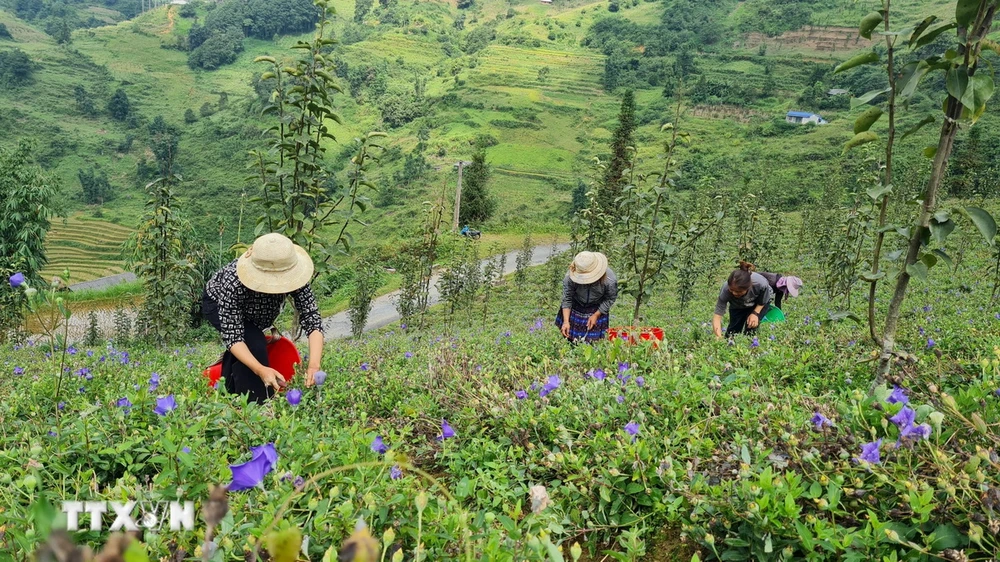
[{"x": 384, "y": 312}]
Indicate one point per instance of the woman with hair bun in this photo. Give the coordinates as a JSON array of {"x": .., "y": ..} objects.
[{"x": 748, "y": 295}]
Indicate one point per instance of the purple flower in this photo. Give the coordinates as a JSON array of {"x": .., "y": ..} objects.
[
  {"x": 61, "y": 405},
  {"x": 71, "y": 350},
  {"x": 18, "y": 371},
  {"x": 267, "y": 451},
  {"x": 154, "y": 382},
  {"x": 552, "y": 384},
  {"x": 17, "y": 280},
  {"x": 395, "y": 472},
  {"x": 165, "y": 405},
  {"x": 378, "y": 446},
  {"x": 124, "y": 358},
  {"x": 920, "y": 330},
  {"x": 904, "y": 418},
  {"x": 294, "y": 396},
  {"x": 755, "y": 343},
  {"x": 251, "y": 473},
  {"x": 186, "y": 450},
  {"x": 927, "y": 308},
  {"x": 622, "y": 367},
  {"x": 898, "y": 396},
  {"x": 632, "y": 428},
  {"x": 620, "y": 399},
  {"x": 365, "y": 366},
  {"x": 408, "y": 354},
  {"x": 299, "y": 482},
  {"x": 52, "y": 433},
  {"x": 931, "y": 343},
  {"x": 286, "y": 477},
  {"x": 870, "y": 452},
  {"x": 90, "y": 353},
  {"x": 599, "y": 374},
  {"x": 916, "y": 432},
  {"x": 446, "y": 431},
  {"x": 997, "y": 392},
  {"x": 81, "y": 390},
  {"x": 521, "y": 395},
  {"x": 640, "y": 381},
  {"x": 319, "y": 378},
  {"x": 123, "y": 402},
  {"x": 819, "y": 420}
]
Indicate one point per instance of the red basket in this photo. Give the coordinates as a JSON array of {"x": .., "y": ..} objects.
[
  {"x": 282, "y": 356},
  {"x": 633, "y": 335}
]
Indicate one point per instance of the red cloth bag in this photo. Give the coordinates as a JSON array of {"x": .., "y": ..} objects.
[{"x": 282, "y": 355}]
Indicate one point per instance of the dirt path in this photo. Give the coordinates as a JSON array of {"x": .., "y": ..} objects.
[
  {"x": 170, "y": 21},
  {"x": 384, "y": 308}
]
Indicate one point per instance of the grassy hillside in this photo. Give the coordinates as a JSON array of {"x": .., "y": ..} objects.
[{"x": 534, "y": 92}]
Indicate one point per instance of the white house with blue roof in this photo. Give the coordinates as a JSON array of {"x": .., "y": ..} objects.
[{"x": 804, "y": 118}]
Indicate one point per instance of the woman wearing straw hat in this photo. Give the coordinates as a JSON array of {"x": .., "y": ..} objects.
[
  {"x": 589, "y": 290},
  {"x": 244, "y": 298}
]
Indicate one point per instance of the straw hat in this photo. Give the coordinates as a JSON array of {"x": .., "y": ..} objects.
[
  {"x": 588, "y": 267},
  {"x": 274, "y": 265}
]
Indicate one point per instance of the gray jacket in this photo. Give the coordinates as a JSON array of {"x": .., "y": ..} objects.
[
  {"x": 760, "y": 293},
  {"x": 603, "y": 292}
]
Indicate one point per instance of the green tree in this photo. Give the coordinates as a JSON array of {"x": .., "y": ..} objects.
[
  {"x": 96, "y": 187},
  {"x": 165, "y": 261},
  {"x": 15, "y": 68},
  {"x": 189, "y": 116},
  {"x": 163, "y": 142},
  {"x": 64, "y": 35},
  {"x": 83, "y": 101},
  {"x": 119, "y": 106},
  {"x": 361, "y": 9},
  {"x": 622, "y": 143},
  {"x": 367, "y": 281},
  {"x": 26, "y": 198},
  {"x": 300, "y": 195},
  {"x": 478, "y": 205},
  {"x": 4, "y": 32}
]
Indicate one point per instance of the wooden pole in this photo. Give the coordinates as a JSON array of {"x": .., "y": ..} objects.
[{"x": 458, "y": 196}]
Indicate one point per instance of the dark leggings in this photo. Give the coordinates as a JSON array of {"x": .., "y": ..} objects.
[
  {"x": 738, "y": 320},
  {"x": 239, "y": 379}
]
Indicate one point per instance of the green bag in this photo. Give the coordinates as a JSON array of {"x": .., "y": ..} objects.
[{"x": 773, "y": 315}]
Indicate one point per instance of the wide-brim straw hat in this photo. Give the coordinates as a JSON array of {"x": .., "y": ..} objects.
[
  {"x": 588, "y": 267},
  {"x": 274, "y": 265}
]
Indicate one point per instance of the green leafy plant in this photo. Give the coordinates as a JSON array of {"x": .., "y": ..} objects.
[
  {"x": 300, "y": 195},
  {"x": 968, "y": 93}
]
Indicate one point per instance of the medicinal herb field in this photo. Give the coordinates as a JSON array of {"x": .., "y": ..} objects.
[{"x": 751, "y": 449}]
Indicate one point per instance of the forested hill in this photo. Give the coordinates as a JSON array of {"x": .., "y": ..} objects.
[{"x": 535, "y": 86}]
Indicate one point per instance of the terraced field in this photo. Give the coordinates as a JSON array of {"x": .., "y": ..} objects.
[
  {"x": 574, "y": 75},
  {"x": 89, "y": 248}
]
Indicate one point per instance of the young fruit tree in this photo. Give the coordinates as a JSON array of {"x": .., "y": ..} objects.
[{"x": 969, "y": 88}]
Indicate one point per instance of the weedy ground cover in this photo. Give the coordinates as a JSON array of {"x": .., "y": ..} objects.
[{"x": 768, "y": 448}]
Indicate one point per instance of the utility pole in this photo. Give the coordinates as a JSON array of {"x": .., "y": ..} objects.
[{"x": 458, "y": 195}]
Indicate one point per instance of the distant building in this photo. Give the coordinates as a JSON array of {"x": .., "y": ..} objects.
[
  {"x": 804, "y": 118},
  {"x": 546, "y": 1},
  {"x": 464, "y": 164},
  {"x": 837, "y": 92},
  {"x": 178, "y": 2}
]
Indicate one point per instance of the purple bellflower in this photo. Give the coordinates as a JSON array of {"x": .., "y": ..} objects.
[{"x": 165, "y": 405}]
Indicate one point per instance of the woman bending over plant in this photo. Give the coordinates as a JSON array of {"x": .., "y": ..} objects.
[
  {"x": 244, "y": 298},
  {"x": 748, "y": 295},
  {"x": 589, "y": 291}
]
